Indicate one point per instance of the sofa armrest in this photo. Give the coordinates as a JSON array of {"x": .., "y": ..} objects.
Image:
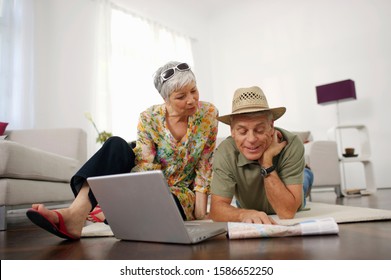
[
  {"x": 68, "y": 142},
  {"x": 322, "y": 157}
]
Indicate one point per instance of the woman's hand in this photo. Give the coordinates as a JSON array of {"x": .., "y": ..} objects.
[
  {"x": 203, "y": 217},
  {"x": 200, "y": 206}
]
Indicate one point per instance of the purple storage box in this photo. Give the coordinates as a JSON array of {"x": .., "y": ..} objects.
[{"x": 338, "y": 91}]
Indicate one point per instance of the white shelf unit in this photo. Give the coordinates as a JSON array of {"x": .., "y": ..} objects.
[{"x": 363, "y": 155}]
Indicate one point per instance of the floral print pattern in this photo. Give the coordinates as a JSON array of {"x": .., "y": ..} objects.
[{"x": 187, "y": 165}]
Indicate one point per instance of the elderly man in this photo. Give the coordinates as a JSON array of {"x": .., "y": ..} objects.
[{"x": 262, "y": 166}]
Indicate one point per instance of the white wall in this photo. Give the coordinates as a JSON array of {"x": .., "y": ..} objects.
[
  {"x": 66, "y": 46},
  {"x": 64, "y": 65},
  {"x": 286, "y": 47},
  {"x": 186, "y": 17},
  {"x": 289, "y": 47}
]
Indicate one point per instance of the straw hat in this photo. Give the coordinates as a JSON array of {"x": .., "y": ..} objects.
[{"x": 250, "y": 100}]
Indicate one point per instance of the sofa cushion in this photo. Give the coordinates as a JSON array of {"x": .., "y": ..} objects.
[
  {"x": 68, "y": 142},
  {"x": 25, "y": 192},
  {"x": 22, "y": 162}
]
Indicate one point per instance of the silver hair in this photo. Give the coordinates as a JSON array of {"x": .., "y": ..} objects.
[{"x": 179, "y": 80}]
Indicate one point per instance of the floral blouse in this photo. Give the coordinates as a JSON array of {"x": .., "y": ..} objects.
[{"x": 187, "y": 165}]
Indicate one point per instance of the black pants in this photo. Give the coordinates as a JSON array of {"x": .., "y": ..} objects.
[{"x": 114, "y": 157}]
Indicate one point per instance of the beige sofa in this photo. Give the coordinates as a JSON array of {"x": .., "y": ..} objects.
[
  {"x": 322, "y": 157},
  {"x": 36, "y": 166}
]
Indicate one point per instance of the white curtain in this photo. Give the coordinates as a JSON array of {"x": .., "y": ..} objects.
[
  {"x": 139, "y": 47},
  {"x": 101, "y": 97},
  {"x": 119, "y": 62},
  {"x": 16, "y": 63}
]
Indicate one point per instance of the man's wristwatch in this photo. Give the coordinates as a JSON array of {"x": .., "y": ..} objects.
[{"x": 266, "y": 171}]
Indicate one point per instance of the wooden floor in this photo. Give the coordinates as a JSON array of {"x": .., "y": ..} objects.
[{"x": 366, "y": 240}]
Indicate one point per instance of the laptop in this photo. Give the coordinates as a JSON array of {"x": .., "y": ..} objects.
[{"x": 140, "y": 207}]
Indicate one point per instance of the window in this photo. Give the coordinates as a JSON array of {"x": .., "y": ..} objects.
[
  {"x": 138, "y": 48},
  {"x": 16, "y": 53},
  {"x": 1, "y": 52}
]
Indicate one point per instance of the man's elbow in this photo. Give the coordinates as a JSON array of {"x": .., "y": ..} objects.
[
  {"x": 287, "y": 214},
  {"x": 213, "y": 215}
]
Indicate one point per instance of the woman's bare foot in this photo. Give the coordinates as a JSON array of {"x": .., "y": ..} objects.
[
  {"x": 74, "y": 219},
  {"x": 70, "y": 221}
]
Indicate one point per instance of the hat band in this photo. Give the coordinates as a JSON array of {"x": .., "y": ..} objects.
[{"x": 248, "y": 109}]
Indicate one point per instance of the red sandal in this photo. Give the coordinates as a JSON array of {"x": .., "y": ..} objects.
[
  {"x": 42, "y": 221},
  {"x": 92, "y": 216}
]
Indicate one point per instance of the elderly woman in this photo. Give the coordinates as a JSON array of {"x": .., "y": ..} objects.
[{"x": 177, "y": 137}]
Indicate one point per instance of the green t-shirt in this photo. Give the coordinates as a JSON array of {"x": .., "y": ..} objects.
[{"x": 234, "y": 175}]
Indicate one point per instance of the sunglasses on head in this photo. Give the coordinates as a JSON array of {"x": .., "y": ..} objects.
[{"x": 169, "y": 73}]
